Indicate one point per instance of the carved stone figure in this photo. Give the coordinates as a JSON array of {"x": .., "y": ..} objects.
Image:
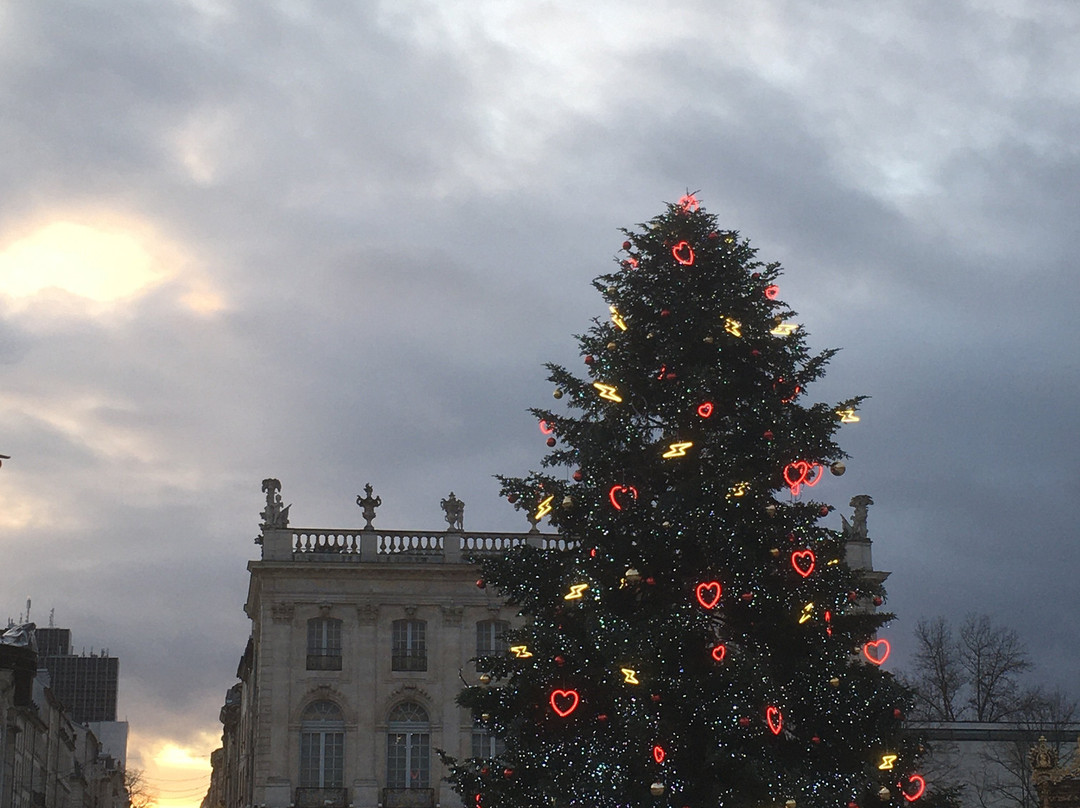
[
  {"x": 856, "y": 529},
  {"x": 454, "y": 510},
  {"x": 368, "y": 505},
  {"x": 21, "y": 635},
  {"x": 274, "y": 515}
]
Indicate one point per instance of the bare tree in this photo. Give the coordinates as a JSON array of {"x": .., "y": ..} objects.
[
  {"x": 939, "y": 677},
  {"x": 993, "y": 659},
  {"x": 140, "y": 793},
  {"x": 970, "y": 674}
]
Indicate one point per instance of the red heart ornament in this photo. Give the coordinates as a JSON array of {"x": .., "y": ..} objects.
[
  {"x": 774, "y": 719},
  {"x": 683, "y": 253},
  {"x": 803, "y": 562},
  {"x": 772, "y": 291},
  {"x": 816, "y": 470},
  {"x": 658, "y": 753},
  {"x": 719, "y": 652},
  {"x": 876, "y": 651},
  {"x": 545, "y": 428},
  {"x": 564, "y": 702},
  {"x": 708, "y": 594},
  {"x": 705, "y": 409},
  {"x": 616, "y": 492},
  {"x": 920, "y": 786}
]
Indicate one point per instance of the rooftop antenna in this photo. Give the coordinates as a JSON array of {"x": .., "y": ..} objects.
[
  {"x": 27, "y": 620},
  {"x": 52, "y": 611}
]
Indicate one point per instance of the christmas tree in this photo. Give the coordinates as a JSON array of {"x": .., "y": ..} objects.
[{"x": 697, "y": 638}]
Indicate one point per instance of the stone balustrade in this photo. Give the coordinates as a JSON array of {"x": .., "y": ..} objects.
[{"x": 393, "y": 546}]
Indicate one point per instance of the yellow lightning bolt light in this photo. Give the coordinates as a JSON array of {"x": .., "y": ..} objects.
[
  {"x": 617, "y": 318},
  {"x": 848, "y": 416},
  {"x": 738, "y": 490},
  {"x": 544, "y": 509},
  {"x": 807, "y": 613},
  {"x": 608, "y": 391},
  {"x": 521, "y": 651},
  {"x": 576, "y": 591},
  {"x": 887, "y": 762},
  {"x": 784, "y": 329},
  {"x": 733, "y": 327},
  {"x": 630, "y": 676},
  {"x": 678, "y": 449}
]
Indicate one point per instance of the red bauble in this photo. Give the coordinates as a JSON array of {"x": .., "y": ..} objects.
[
  {"x": 602, "y": 718},
  {"x": 755, "y": 275},
  {"x": 656, "y": 697},
  {"x": 744, "y": 721},
  {"x": 650, "y": 581},
  {"x": 551, "y": 441},
  {"x": 589, "y": 359},
  {"x": 897, "y": 713},
  {"x": 481, "y": 583},
  {"x": 824, "y": 510},
  {"x": 508, "y": 773},
  {"x": 755, "y": 352},
  {"x": 877, "y": 600},
  {"x": 768, "y": 434},
  {"x": 512, "y": 499},
  {"x": 626, "y": 245},
  {"x": 484, "y": 771},
  {"x": 669, "y": 376},
  {"x": 747, "y": 596},
  {"x": 665, "y": 312},
  {"x": 713, "y": 236},
  {"x": 560, "y": 661},
  {"x": 815, "y": 739},
  {"x": 578, "y": 476},
  {"x": 852, "y": 596}
]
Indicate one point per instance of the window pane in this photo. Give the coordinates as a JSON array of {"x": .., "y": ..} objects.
[
  {"x": 396, "y": 756},
  {"x": 409, "y": 649}
]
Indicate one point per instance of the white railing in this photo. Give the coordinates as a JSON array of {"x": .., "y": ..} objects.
[{"x": 309, "y": 544}]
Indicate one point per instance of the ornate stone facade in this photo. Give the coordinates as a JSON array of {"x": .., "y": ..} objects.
[{"x": 360, "y": 642}]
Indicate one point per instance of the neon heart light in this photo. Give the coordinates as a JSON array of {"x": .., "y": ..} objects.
[
  {"x": 719, "y": 652},
  {"x": 774, "y": 719},
  {"x": 564, "y": 702},
  {"x": 876, "y": 651},
  {"x": 545, "y": 428},
  {"x": 658, "y": 753},
  {"x": 683, "y": 253},
  {"x": 705, "y": 409},
  {"x": 803, "y": 562},
  {"x": 920, "y": 786},
  {"x": 801, "y": 473},
  {"x": 708, "y": 593},
  {"x": 689, "y": 203},
  {"x": 772, "y": 291},
  {"x": 617, "y": 490}
]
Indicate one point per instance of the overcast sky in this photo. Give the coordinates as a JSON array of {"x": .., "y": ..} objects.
[{"x": 334, "y": 242}]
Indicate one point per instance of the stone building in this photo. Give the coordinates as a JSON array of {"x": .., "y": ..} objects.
[
  {"x": 47, "y": 760},
  {"x": 360, "y": 642}
]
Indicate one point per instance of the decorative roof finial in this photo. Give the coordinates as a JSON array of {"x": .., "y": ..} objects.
[
  {"x": 368, "y": 505},
  {"x": 454, "y": 510},
  {"x": 275, "y": 514}
]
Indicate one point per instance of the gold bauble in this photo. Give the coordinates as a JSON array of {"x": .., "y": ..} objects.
[
  {"x": 656, "y": 789},
  {"x": 557, "y": 393},
  {"x": 632, "y": 575},
  {"x": 789, "y": 804},
  {"x": 708, "y": 340},
  {"x": 485, "y": 716},
  {"x": 611, "y": 346},
  {"x": 775, "y": 552},
  {"x": 884, "y": 794},
  {"x": 838, "y": 468},
  {"x": 567, "y": 503},
  {"x": 650, "y": 335},
  {"x": 834, "y": 682},
  {"x": 770, "y": 510},
  {"x": 485, "y": 678}
]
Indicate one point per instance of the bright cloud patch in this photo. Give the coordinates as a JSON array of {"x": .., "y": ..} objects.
[{"x": 79, "y": 259}]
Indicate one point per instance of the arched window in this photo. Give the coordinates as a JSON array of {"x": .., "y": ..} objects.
[
  {"x": 408, "y": 747},
  {"x": 324, "y": 644},
  {"x": 322, "y": 746},
  {"x": 409, "y": 649}
]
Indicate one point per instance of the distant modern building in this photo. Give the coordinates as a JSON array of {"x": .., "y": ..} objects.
[
  {"x": 47, "y": 760},
  {"x": 85, "y": 684},
  {"x": 360, "y": 642}
]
